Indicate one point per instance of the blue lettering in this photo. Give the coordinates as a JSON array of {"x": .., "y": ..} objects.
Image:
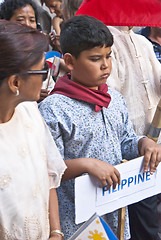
[
  {"x": 140, "y": 177},
  {"x": 123, "y": 183},
  {"x": 135, "y": 180},
  {"x": 104, "y": 189},
  {"x": 147, "y": 175},
  {"x": 114, "y": 190},
  {"x": 130, "y": 180}
]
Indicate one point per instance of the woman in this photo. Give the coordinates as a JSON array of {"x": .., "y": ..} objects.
[
  {"x": 69, "y": 8},
  {"x": 55, "y": 7},
  {"x": 23, "y": 11},
  {"x": 30, "y": 162}
]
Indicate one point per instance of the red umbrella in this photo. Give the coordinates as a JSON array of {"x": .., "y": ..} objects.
[{"x": 124, "y": 12}]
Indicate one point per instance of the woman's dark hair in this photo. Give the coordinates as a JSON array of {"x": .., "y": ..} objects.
[
  {"x": 8, "y": 7},
  {"x": 83, "y": 33},
  {"x": 21, "y": 47}
]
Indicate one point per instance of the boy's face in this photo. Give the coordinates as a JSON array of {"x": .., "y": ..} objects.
[{"x": 92, "y": 68}]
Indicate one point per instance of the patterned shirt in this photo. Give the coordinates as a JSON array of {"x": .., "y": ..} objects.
[{"x": 79, "y": 131}]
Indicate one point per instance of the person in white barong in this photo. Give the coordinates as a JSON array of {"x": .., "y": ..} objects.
[{"x": 136, "y": 74}]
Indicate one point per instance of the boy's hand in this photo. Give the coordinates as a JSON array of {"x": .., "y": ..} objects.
[
  {"x": 151, "y": 152},
  {"x": 105, "y": 173}
]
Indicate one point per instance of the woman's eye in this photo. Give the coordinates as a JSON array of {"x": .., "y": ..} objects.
[{"x": 20, "y": 20}]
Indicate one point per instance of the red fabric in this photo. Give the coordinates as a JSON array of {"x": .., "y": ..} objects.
[
  {"x": 67, "y": 87},
  {"x": 123, "y": 12}
]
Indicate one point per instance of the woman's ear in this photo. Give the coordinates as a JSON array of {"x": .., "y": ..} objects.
[
  {"x": 14, "y": 83},
  {"x": 69, "y": 61}
]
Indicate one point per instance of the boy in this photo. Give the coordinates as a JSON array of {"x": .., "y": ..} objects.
[{"x": 88, "y": 121}]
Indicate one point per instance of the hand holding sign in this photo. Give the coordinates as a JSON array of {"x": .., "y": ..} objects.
[
  {"x": 151, "y": 152},
  {"x": 107, "y": 174}
]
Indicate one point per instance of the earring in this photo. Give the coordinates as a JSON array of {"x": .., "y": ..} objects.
[{"x": 17, "y": 92}]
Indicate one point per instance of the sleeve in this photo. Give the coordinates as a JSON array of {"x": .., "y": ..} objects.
[
  {"x": 50, "y": 113},
  {"x": 46, "y": 145},
  {"x": 156, "y": 66},
  {"x": 129, "y": 139},
  {"x": 55, "y": 163}
]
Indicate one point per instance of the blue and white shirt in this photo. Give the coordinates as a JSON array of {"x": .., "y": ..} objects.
[{"x": 79, "y": 131}]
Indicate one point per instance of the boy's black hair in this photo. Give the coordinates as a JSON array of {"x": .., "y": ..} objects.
[
  {"x": 8, "y": 7},
  {"x": 83, "y": 33}
]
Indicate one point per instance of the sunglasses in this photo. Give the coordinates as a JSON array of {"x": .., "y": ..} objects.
[{"x": 43, "y": 72}]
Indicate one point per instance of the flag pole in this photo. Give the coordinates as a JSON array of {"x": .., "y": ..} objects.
[{"x": 121, "y": 219}]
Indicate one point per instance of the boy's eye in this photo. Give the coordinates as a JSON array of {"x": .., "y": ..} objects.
[
  {"x": 94, "y": 59},
  {"x": 108, "y": 56}
]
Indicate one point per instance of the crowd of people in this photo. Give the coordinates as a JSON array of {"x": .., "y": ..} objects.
[{"x": 97, "y": 114}]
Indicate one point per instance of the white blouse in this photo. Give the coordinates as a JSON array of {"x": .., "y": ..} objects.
[{"x": 28, "y": 158}]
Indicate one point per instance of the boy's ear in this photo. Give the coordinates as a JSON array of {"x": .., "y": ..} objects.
[{"x": 69, "y": 61}]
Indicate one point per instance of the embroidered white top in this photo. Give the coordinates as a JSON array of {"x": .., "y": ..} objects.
[{"x": 28, "y": 158}]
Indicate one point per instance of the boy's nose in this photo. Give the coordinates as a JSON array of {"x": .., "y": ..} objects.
[{"x": 104, "y": 64}]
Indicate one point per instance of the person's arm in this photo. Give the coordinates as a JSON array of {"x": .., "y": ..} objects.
[
  {"x": 151, "y": 152},
  {"x": 54, "y": 216},
  {"x": 102, "y": 171},
  {"x": 56, "y": 24}
]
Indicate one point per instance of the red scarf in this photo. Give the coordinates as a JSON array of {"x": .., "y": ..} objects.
[{"x": 67, "y": 87}]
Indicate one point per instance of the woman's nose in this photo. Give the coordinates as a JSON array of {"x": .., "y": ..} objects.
[{"x": 27, "y": 22}]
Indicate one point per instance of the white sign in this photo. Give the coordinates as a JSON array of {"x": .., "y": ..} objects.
[{"x": 136, "y": 185}]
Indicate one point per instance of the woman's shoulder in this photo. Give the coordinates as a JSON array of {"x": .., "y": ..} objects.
[
  {"x": 27, "y": 105},
  {"x": 29, "y": 110}
]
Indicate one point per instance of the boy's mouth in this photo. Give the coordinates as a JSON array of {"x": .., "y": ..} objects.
[{"x": 106, "y": 75}]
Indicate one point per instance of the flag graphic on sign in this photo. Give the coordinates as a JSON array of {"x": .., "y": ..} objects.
[{"x": 95, "y": 228}]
